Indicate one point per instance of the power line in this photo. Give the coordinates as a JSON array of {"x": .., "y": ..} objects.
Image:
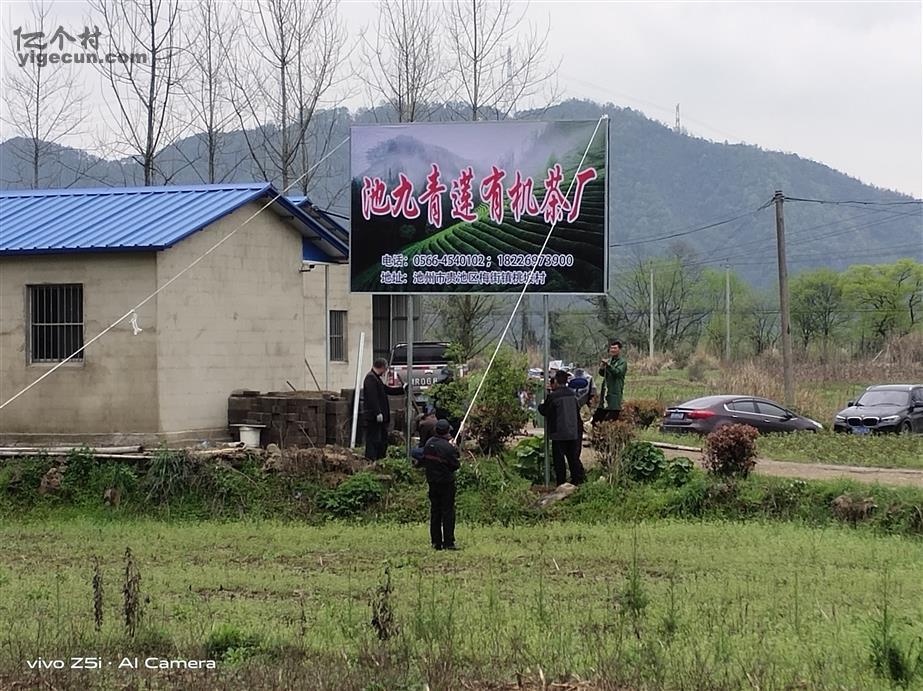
[
  {"x": 800, "y": 241},
  {"x": 852, "y": 201},
  {"x": 690, "y": 231}
]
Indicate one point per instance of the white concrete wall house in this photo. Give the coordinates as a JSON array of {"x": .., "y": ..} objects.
[{"x": 243, "y": 314}]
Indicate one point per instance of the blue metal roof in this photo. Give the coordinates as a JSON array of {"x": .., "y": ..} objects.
[{"x": 112, "y": 219}]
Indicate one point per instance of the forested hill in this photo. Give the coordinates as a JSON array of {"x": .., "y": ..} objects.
[
  {"x": 663, "y": 184},
  {"x": 666, "y": 183}
]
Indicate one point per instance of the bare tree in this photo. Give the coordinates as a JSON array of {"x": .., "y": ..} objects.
[
  {"x": 468, "y": 321},
  {"x": 497, "y": 58},
  {"x": 402, "y": 64},
  {"x": 208, "y": 86},
  {"x": 291, "y": 73},
  {"x": 145, "y": 81},
  {"x": 42, "y": 103}
]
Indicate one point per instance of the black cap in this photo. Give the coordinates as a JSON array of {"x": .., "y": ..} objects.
[{"x": 443, "y": 427}]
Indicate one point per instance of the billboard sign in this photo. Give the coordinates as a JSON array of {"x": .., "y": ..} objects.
[{"x": 466, "y": 207}]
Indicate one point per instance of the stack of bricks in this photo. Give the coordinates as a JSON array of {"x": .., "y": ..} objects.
[
  {"x": 339, "y": 417},
  {"x": 289, "y": 419}
]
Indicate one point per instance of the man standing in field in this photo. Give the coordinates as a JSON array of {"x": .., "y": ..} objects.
[
  {"x": 440, "y": 461},
  {"x": 377, "y": 410},
  {"x": 563, "y": 428},
  {"x": 613, "y": 372}
]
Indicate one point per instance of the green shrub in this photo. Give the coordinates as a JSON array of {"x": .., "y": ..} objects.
[
  {"x": 80, "y": 466},
  {"x": 496, "y": 415},
  {"x": 353, "y": 495},
  {"x": 731, "y": 450},
  {"x": 114, "y": 475},
  {"x": 642, "y": 461},
  {"x": 679, "y": 470},
  {"x": 530, "y": 459},
  {"x": 398, "y": 468},
  {"x": 226, "y": 642},
  {"x": 21, "y": 477}
]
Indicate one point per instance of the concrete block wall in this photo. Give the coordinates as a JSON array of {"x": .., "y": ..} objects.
[
  {"x": 342, "y": 375},
  {"x": 115, "y": 388},
  {"x": 235, "y": 321}
]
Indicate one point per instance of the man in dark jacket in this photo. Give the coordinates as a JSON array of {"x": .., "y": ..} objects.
[
  {"x": 440, "y": 461},
  {"x": 562, "y": 418},
  {"x": 377, "y": 410}
]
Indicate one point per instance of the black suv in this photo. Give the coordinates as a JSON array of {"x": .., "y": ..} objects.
[{"x": 884, "y": 408}]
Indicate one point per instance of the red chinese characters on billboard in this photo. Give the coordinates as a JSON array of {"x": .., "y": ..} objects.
[{"x": 520, "y": 196}]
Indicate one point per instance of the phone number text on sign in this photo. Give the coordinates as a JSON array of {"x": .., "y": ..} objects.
[{"x": 480, "y": 261}]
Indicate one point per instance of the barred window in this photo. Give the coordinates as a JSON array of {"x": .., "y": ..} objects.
[
  {"x": 55, "y": 322},
  {"x": 338, "y": 336}
]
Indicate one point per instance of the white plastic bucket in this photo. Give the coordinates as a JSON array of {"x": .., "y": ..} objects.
[{"x": 250, "y": 436}]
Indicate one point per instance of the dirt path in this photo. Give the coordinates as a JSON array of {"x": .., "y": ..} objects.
[
  {"x": 805, "y": 471},
  {"x": 820, "y": 471}
]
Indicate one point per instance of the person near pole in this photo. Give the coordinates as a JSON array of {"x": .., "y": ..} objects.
[
  {"x": 584, "y": 386},
  {"x": 377, "y": 409},
  {"x": 440, "y": 461},
  {"x": 562, "y": 417},
  {"x": 613, "y": 370},
  {"x": 585, "y": 389},
  {"x": 426, "y": 427}
]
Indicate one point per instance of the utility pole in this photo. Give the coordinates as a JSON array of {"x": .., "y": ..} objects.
[
  {"x": 650, "y": 326},
  {"x": 727, "y": 313},
  {"x": 779, "y": 198}
]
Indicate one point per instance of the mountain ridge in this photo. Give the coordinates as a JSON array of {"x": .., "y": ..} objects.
[{"x": 662, "y": 183}]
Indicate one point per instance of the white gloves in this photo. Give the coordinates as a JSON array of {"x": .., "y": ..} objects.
[{"x": 379, "y": 418}]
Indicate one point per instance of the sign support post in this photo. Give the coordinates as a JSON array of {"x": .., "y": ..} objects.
[
  {"x": 547, "y": 382},
  {"x": 409, "y": 414}
]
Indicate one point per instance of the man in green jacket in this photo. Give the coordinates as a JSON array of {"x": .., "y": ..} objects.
[{"x": 613, "y": 372}]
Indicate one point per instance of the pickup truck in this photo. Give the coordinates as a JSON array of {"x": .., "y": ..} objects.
[{"x": 430, "y": 365}]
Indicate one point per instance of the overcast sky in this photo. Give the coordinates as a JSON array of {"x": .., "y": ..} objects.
[{"x": 837, "y": 82}]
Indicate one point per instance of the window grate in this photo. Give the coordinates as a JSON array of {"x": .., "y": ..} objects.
[
  {"x": 55, "y": 322},
  {"x": 338, "y": 330}
]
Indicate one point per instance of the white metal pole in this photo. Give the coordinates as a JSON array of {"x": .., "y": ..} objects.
[{"x": 352, "y": 438}]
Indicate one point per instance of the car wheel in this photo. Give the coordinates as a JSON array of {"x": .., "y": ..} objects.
[{"x": 906, "y": 427}]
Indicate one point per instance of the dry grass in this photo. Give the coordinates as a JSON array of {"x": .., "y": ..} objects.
[
  {"x": 754, "y": 380},
  {"x": 652, "y": 366}
]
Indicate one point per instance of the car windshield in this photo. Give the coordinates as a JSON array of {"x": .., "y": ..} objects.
[
  {"x": 423, "y": 354},
  {"x": 886, "y": 397}
]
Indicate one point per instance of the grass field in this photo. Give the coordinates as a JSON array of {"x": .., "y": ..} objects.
[
  {"x": 664, "y": 605},
  {"x": 877, "y": 451}
]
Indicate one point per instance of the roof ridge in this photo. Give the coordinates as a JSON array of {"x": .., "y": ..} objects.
[{"x": 153, "y": 189}]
